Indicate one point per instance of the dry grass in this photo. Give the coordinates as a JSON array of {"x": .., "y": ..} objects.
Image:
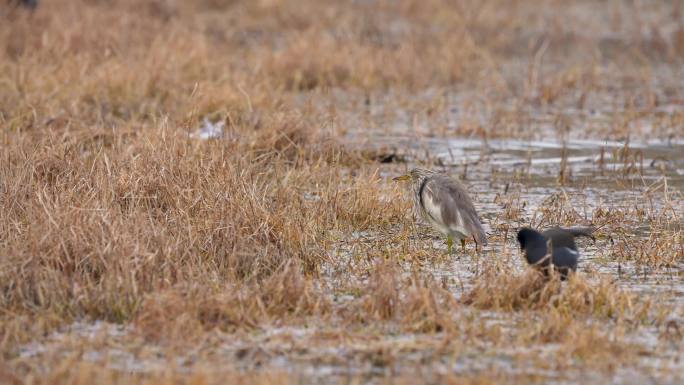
[
  {"x": 111, "y": 210},
  {"x": 576, "y": 298}
]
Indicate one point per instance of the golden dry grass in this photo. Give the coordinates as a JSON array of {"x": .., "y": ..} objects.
[{"x": 285, "y": 239}]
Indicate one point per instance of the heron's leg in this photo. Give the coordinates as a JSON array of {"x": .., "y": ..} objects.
[
  {"x": 463, "y": 244},
  {"x": 450, "y": 242}
]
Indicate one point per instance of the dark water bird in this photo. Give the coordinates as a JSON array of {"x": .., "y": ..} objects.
[
  {"x": 564, "y": 254},
  {"x": 445, "y": 204}
]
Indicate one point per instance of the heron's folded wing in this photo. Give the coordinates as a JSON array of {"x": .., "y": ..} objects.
[
  {"x": 448, "y": 203},
  {"x": 430, "y": 199}
]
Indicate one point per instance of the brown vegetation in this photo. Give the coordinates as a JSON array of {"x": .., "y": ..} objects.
[{"x": 207, "y": 261}]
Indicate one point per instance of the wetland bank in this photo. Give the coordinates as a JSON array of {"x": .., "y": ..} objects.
[{"x": 273, "y": 247}]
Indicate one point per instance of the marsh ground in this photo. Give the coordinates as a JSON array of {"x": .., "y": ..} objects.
[{"x": 132, "y": 250}]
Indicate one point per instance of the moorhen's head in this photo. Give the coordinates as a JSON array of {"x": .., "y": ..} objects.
[{"x": 533, "y": 243}]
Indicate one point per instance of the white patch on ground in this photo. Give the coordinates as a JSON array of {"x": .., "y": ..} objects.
[{"x": 209, "y": 130}]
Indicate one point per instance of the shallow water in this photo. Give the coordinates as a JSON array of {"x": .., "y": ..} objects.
[{"x": 597, "y": 176}]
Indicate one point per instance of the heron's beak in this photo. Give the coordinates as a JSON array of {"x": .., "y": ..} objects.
[{"x": 402, "y": 177}]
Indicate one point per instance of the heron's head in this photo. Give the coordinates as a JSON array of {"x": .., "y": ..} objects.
[{"x": 414, "y": 175}]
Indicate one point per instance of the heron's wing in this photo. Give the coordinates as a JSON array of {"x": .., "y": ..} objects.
[
  {"x": 446, "y": 201},
  {"x": 431, "y": 202}
]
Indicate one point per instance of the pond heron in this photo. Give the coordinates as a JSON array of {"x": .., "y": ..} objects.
[{"x": 444, "y": 203}]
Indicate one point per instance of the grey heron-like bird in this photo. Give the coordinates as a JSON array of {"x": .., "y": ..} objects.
[{"x": 445, "y": 204}]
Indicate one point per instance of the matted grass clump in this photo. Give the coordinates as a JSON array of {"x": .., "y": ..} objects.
[{"x": 599, "y": 298}]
